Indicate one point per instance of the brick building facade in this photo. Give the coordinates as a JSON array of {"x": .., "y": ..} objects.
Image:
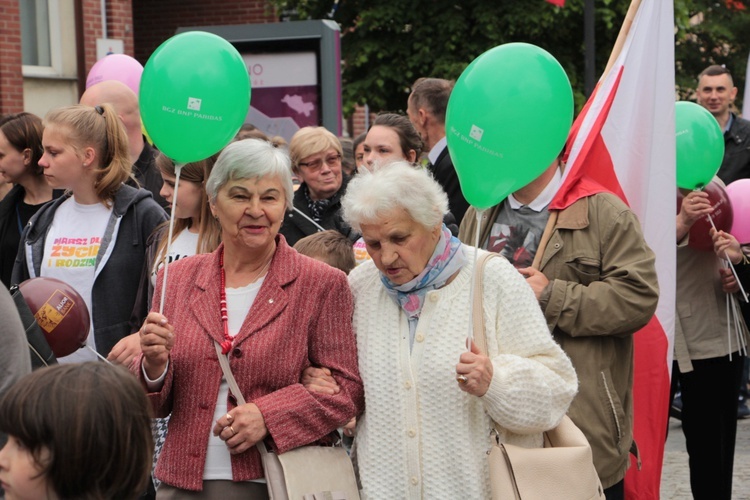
[
  {"x": 72, "y": 28},
  {"x": 157, "y": 21},
  {"x": 75, "y": 26},
  {"x": 11, "y": 78}
]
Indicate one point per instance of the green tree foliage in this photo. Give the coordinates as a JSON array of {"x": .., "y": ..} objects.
[
  {"x": 387, "y": 44},
  {"x": 710, "y": 32}
]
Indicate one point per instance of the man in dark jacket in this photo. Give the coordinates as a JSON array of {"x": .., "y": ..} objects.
[
  {"x": 716, "y": 92},
  {"x": 426, "y": 109}
]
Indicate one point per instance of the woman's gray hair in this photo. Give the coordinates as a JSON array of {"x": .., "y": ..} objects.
[
  {"x": 251, "y": 159},
  {"x": 370, "y": 196}
]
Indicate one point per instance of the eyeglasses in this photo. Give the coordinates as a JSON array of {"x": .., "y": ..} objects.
[{"x": 316, "y": 164}]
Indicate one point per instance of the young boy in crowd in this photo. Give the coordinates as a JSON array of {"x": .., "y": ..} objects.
[{"x": 330, "y": 247}]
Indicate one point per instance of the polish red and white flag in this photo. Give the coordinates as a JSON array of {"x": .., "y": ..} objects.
[{"x": 624, "y": 142}]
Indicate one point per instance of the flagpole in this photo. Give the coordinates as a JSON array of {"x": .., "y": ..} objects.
[
  {"x": 546, "y": 235},
  {"x": 622, "y": 36}
]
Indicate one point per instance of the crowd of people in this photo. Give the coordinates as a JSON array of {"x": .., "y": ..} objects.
[{"x": 335, "y": 276}]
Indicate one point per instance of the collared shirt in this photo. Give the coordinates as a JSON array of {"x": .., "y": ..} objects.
[
  {"x": 518, "y": 228},
  {"x": 729, "y": 123},
  {"x": 544, "y": 198},
  {"x": 436, "y": 150}
]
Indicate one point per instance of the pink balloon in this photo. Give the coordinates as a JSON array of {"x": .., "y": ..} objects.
[
  {"x": 118, "y": 67},
  {"x": 739, "y": 195}
]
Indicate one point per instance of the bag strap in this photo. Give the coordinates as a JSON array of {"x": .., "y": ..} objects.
[
  {"x": 546, "y": 235},
  {"x": 480, "y": 334},
  {"x": 235, "y": 389}
]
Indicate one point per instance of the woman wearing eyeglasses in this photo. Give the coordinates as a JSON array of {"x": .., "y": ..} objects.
[{"x": 316, "y": 160}]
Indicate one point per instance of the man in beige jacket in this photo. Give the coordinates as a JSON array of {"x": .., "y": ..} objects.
[
  {"x": 595, "y": 279},
  {"x": 708, "y": 353}
]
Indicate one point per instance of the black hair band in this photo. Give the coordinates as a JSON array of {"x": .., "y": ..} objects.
[{"x": 99, "y": 110}]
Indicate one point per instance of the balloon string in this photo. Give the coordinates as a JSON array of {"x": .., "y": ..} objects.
[
  {"x": 177, "y": 170},
  {"x": 470, "y": 335},
  {"x": 99, "y": 355},
  {"x": 734, "y": 320},
  {"x": 731, "y": 266},
  {"x": 303, "y": 214},
  {"x": 741, "y": 345},
  {"x": 729, "y": 330}
]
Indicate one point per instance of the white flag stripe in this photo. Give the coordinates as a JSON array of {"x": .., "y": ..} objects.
[
  {"x": 640, "y": 137},
  {"x": 600, "y": 99}
]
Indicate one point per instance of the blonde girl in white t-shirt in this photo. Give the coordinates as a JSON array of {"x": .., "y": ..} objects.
[{"x": 95, "y": 234}]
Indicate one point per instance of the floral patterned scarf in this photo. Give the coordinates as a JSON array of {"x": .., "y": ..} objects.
[{"x": 447, "y": 258}]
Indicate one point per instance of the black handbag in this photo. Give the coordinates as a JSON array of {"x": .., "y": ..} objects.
[{"x": 39, "y": 350}]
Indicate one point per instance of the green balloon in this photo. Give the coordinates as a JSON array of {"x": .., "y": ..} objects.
[
  {"x": 507, "y": 120},
  {"x": 700, "y": 145},
  {"x": 194, "y": 95}
]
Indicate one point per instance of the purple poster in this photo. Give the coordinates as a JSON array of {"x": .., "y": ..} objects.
[{"x": 284, "y": 95}]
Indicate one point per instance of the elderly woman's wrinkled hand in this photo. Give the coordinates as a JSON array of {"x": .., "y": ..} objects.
[
  {"x": 474, "y": 372},
  {"x": 319, "y": 380},
  {"x": 241, "y": 428},
  {"x": 157, "y": 339}
]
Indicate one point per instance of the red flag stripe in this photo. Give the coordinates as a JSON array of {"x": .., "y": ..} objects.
[
  {"x": 591, "y": 171},
  {"x": 652, "y": 377}
]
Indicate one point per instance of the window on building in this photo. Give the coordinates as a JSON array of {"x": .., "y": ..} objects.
[{"x": 40, "y": 36}]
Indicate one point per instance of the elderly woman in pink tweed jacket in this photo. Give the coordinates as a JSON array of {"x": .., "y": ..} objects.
[{"x": 285, "y": 312}]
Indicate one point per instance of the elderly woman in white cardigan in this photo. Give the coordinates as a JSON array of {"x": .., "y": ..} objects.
[{"x": 426, "y": 428}]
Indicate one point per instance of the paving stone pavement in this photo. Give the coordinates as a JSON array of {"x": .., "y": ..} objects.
[{"x": 675, "y": 480}]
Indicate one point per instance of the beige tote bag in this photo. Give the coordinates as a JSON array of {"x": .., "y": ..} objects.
[{"x": 563, "y": 469}]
